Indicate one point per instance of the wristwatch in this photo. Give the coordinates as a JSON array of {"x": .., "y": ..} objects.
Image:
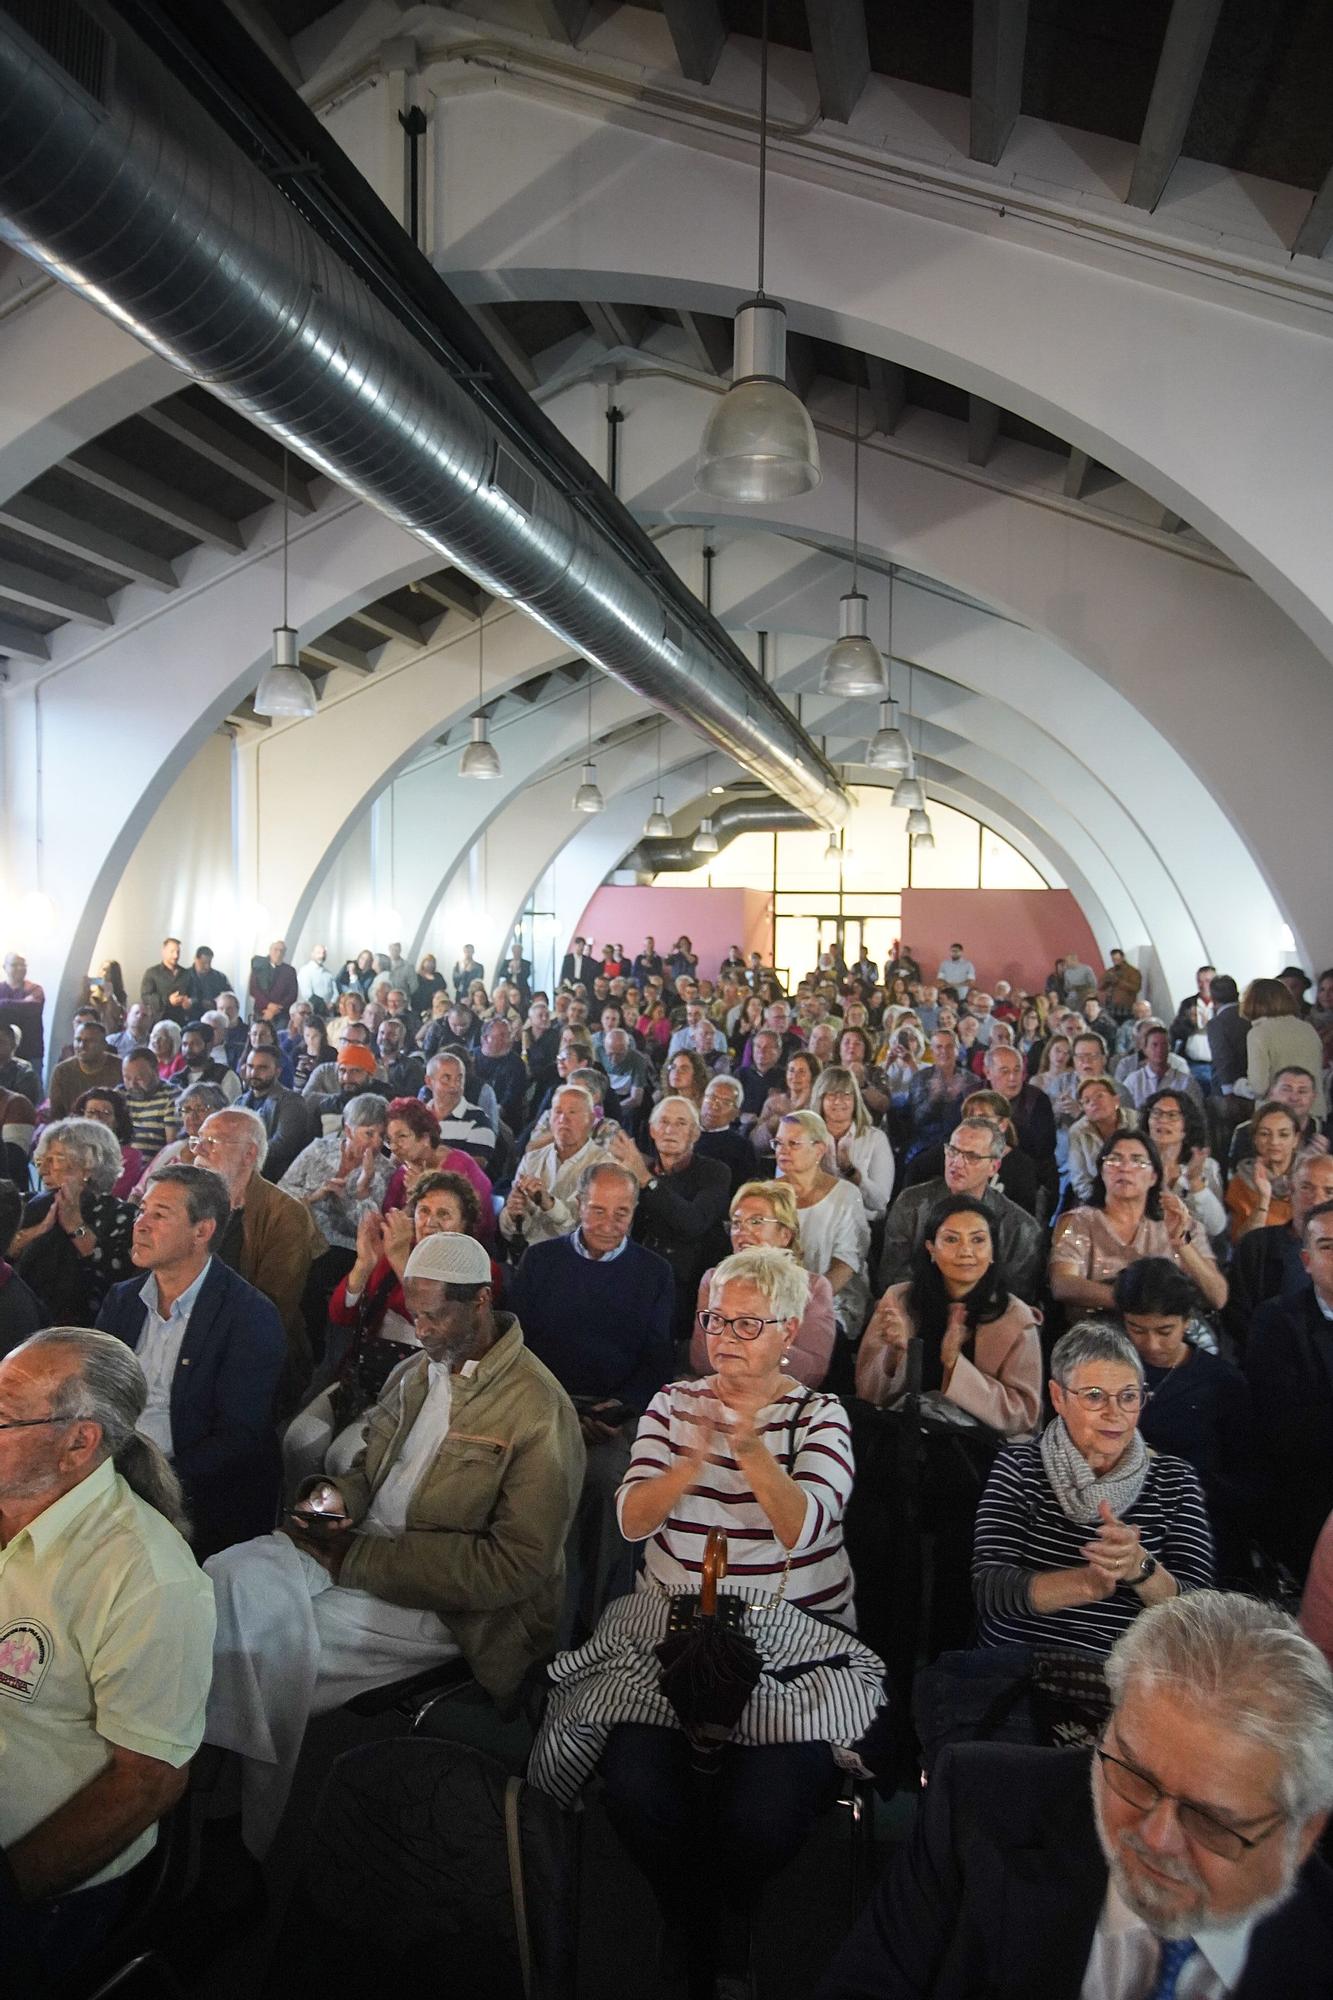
[
  {"x": 77, "y": 1235},
  {"x": 1149, "y": 1569},
  {"x": 652, "y": 1180}
]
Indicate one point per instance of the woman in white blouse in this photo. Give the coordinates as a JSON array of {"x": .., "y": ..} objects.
[
  {"x": 835, "y": 1231},
  {"x": 862, "y": 1149}
]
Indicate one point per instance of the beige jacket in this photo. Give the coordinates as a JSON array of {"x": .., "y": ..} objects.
[
  {"x": 484, "y": 1545},
  {"x": 1000, "y": 1385}
]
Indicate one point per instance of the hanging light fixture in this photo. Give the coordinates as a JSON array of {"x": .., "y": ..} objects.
[
  {"x": 759, "y": 444},
  {"x": 833, "y": 853},
  {"x": 923, "y": 840},
  {"x": 888, "y": 749},
  {"x": 852, "y": 665},
  {"x": 284, "y": 692},
  {"x": 588, "y": 798},
  {"x": 909, "y": 794},
  {"x": 918, "y": 822},
  {"x": 705, "y": 840},
  {"x": 658, "y": 826},
  {"x": 480, "y": 759}
]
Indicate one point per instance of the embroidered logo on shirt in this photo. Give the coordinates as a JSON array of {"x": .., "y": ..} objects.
[{"x": 25, "y": 1655}]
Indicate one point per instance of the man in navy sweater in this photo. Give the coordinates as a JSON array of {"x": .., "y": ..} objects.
[{"x": 597, "y": 1309}]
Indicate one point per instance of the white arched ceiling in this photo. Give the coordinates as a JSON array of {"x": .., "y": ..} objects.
[{"x": 1203, "y": 381}]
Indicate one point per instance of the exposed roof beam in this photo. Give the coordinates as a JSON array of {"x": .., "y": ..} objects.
[
  {"x": 58, "y": 530},
  {"x": 1076, "y": 473},
  {"x": 887, "y": 383},
  {"x": 113, "y": 475},
  {"x": 564, "y": 20},
  {"x": 330, "y": 653},
  {"x": 999, "y": 37},
  {"x": 842, "y": 54},
  {"x": 390, "y": 624},
  {"x": 1312, "y": 238},
  {"x": 712, "y": 346},
  {"x": 700, "y": 35},
  {"x": 983, "y": 427},
  {"x": 1189, "y": 35},
  {"x": 232, "y": 454},
  {"x": 46, "y": 593},
  {"x": 22, "y": 644},
  {"x": 453, "y": 591},
  {"x": 511, "y": 352},
  {"x": 1169, "y": 521},
  {"x": 615, "y": 326}
]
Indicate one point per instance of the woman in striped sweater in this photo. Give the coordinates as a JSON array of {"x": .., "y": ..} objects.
[
  {"x": 1081, "y": 1528},
  {"x": 749, "y": 1450}
]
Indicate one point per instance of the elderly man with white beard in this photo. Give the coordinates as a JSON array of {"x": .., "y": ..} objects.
[{"x": 1175, "y": 1863}]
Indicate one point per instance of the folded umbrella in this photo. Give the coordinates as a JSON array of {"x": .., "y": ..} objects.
[{"x": 710, "y": 1667}]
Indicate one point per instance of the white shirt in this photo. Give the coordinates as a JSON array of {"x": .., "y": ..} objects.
[
  {"x": 387, "y": 1514},
  {"x": 959, "y": 972},
  {"x": 1125, "y": 1956},
  {"x": 158, "y": 1353}
]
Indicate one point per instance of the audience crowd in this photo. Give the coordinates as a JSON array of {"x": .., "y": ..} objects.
[{"x": 380, "y": 1319}]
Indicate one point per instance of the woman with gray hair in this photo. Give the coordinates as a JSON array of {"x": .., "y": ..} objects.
[
  {"x": 75, "y": 1240},
  {"x": 1081, "y": 1528}
]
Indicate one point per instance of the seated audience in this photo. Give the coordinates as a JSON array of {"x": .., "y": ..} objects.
[
  {"x": 1164, "y": 1878},
  {"x": 500, "y": 1065},
  {"x": 286, "y": 1116},
  {"x": 682, "y": 1197},
  {"x": 541, "y": 1202},
  {"x": 75, "y": 1238},
  {"x": 338, "y": 1177},
  {"x": 750, "y": 1451},
  {"x": 685, "y": 1075},
  {"x": 1259, "y": 1191},
  {"x": 1029, "y": 1113},
  {"x": 212, "y": 1350},
  {"x": 831, "y": 1216},
  {"x": 193, "y": 1107},
  {"x": 271, "y": 1239},
  {"x": 599, "y": 1310},
  {"x": 404, "y": 1070},
  {"x": 152, "y": 1103},
  {"x": 861, "y": 1149},
  {"x": 164, "y": 1041},
  {"x": 856, "y": 1053},
  {"x": 721, "y": 1137},
  {"x": 935, "y": 1096},
  {"x": 1198, "y": 1404},
  {"x": 1293, "y": 1087},
  {"x": 1287, "y": 1364},
  {"x": 464, "y": 1127},
  {"x": 93, "y": 1066},
  {"x": 764, "y": 1216},
  {"x": 1174, "y": 1123},
  {"x": 1128, "y": 1216},
  {"x": 412, "y": 1132},
  {"x": 955, "y": 1329},
  {"x": 107, "y": 1630},
  {"x": 371, "y": 1330},
  {"x": 108, "y": 1107},
  {"x": 630, "y": 1076},
  {"x": 1317, "y": 1597},
  {"x": 426, "y": 1549},
  {"x": 1160, "y": 1070},
  {"x": 1100, "y": 1116},
  {"x": 197, "y": 1063},
  {"x": 972, "y": 1159},
  {"x": 1279, "y": 1039},
  {"x": 1080, "y": 1529},
  {"x": 21, "y": 1311},
  {"x": 1055, "y": 1074},
  {"x": 1267, "y": 1262},
  {"x": 16, "y": 1076}
]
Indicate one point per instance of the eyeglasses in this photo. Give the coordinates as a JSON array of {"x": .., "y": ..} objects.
[
  {"x": 1137, "y": 1789},
  {"x": 746, "y": 1326},
  {"x": 963, "y": 1153},
  {"x": 1129, "y": 1160},
  {"x": 1128, "y": 1400},
  {"x": 33, "y": 1423}
]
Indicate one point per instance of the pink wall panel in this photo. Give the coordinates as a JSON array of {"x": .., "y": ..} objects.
[
  {"x": 1013, "y": 934},
  {"x": 713, "y": 920}
]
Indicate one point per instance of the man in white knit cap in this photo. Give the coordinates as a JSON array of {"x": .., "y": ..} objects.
[{"x": 446, "y": 1537}]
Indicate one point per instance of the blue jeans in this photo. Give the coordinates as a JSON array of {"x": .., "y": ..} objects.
[
  {"x": 44, "y": 1942},
  {"x": 1202, "y": 1072}
]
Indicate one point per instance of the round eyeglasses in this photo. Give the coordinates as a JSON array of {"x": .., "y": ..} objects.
[{"x": 745, "y": 1326}]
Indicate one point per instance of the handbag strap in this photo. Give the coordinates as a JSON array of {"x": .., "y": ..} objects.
[{"x": 793, "y": 1425}]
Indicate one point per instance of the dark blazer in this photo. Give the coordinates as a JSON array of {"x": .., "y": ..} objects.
[
  {"x": 1228, "y": 1033},
  {"x": 222, "y": 1402},
  {"x": 677, "y": 1218},
  {"x": 1000, "y": 1889},
  {"x": 1289, "y": 1366},
  {"x": 580, "y": 971}
]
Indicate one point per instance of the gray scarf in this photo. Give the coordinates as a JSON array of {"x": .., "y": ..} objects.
[{"x": 1077, "y": 1487}]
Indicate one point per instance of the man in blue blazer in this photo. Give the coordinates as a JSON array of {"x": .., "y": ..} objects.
[
  {"x": 212, "y": 1349},
  {"x": 1186, "y": 1865}
]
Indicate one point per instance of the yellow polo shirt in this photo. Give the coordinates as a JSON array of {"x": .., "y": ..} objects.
[{"x": 106, "y": 1637}]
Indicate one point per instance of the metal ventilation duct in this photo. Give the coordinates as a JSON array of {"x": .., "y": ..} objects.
[
  {"x": 118, "y": 185},
  {"x": 761, "y": 815}
]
